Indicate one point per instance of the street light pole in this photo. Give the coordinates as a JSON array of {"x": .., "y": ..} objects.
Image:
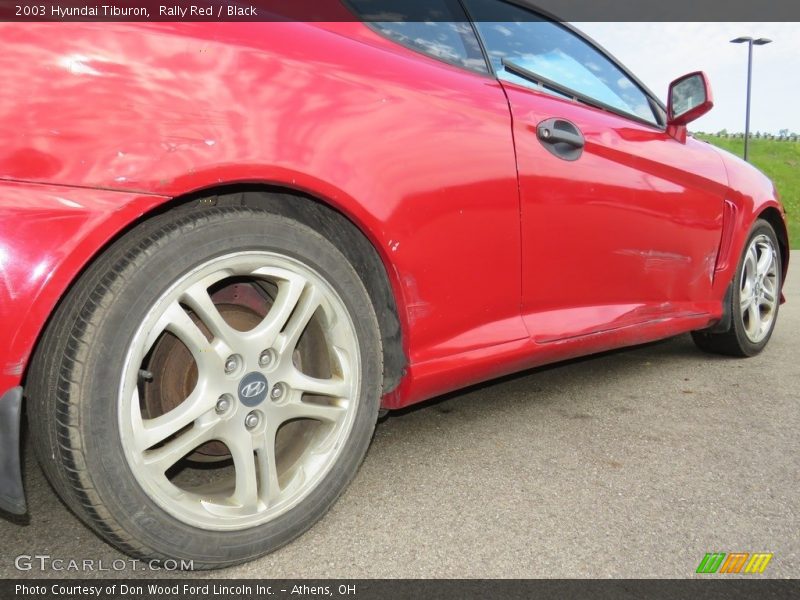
[{"x": 750, "y": 43}]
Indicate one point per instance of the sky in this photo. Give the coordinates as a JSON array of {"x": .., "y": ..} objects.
[{"x": 657, "y": 53}]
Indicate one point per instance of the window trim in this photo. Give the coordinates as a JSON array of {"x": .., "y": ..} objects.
[
  {"x": 655, "y": 103},
  {"x": 576, "y": 96}
]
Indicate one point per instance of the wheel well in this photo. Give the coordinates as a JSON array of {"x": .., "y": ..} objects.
[
  {"x": 349, "y": 239},
  {"x": 330, "y": 223},
  {"x": 772, "y": 216}
]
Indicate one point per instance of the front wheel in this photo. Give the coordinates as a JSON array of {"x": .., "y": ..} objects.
[
  {"x": 209, "y": 387},
  {"x": 755, "y": 299}
]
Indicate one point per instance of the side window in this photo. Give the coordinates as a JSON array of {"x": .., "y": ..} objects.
[
  {"x": 438, "y": 28},
  {"x": 552, "y": 51}
]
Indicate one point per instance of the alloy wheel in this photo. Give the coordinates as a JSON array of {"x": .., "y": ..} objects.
[
  {"x": 239, "y": 390},
  {"x": 758, "y": 291}
]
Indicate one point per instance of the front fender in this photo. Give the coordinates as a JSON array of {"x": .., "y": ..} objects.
[{"x": 751, "y": 195}]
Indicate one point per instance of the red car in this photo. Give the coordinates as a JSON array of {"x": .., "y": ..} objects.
[{"x": 226, "y": 248}]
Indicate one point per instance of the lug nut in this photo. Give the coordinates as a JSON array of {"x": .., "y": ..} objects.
[
  {"x": 265, "y": 359},
  {"x": 223, "y": 404},
  {"x": 231, "y": 364},
  {"x": 277, "y": 392},
  {"x": 251, "y": 421}
]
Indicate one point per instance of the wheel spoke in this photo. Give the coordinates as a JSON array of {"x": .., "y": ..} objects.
[
  {"x": 165, "y": 457},
  {"x": 754, "y": 319},
  {"x": 290, "y": 290},
  {"x": 769, "y": 291},
  {"x": 242, "y": 451},
  {"x": 306, "y": 307},
  {"x": 198, "y": 299},
  {"x": 748, "y": 284},
  {"x": 154, "y": 431},
  {"x": 334, "y": 387},
  {"x": 267, "y": 468},
  {"x": 179, "y": 323},
  {"x": 326, "y": 413},
  {"x": 750, "y": 266},
  {"x": 765, "y": 261},
  {"x": 745, "y": 302}
]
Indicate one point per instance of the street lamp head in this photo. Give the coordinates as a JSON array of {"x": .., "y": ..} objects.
[{"x": 746, "y": 39}]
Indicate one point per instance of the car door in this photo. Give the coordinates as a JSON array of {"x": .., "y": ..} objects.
[{"x": 621, "y": 223}]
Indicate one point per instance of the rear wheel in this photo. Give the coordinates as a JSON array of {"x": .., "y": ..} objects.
[
  {"x": 209, "y": 387},
  {"x": 755, "y": 299}
]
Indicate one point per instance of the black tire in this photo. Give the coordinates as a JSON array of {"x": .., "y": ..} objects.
[
  {"x": 734, "y": 341},
  {"x": 75, "y": 377}
]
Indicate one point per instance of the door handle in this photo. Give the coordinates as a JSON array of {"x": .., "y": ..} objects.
[{"x": 561, "y": 138}]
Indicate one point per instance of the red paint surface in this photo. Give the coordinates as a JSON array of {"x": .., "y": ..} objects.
[{"x": 493, "y": 272}]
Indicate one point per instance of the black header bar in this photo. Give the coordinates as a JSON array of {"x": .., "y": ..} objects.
[{"x": 393, "y": 10}]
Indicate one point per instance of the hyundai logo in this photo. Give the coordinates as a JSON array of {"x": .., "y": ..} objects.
[{"x": 253, "y": 389}]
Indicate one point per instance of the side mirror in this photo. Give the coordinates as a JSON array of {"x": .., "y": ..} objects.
[{"x": 690, "y": 98}]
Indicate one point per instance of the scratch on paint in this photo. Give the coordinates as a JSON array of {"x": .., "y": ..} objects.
[
  {"x": 15, "y": 369},
  {"x": 417, "y": 307},
  {"x": 654, "y": 259}
]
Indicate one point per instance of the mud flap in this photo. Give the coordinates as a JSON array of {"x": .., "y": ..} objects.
[
  {"x": 725, "y": 323},
  {"x": 12, "y": 495}
]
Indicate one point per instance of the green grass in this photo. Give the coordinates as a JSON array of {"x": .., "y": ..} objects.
[{"x": 781, "y": 162}]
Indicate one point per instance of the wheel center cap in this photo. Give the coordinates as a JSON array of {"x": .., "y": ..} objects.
[{"x": 253, "y": 389}]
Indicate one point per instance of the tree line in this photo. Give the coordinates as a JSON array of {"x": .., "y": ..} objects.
[{"x": 783, "y": 136}]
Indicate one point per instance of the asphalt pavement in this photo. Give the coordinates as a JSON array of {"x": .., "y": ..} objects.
[{"x": 630, "y": 464}]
